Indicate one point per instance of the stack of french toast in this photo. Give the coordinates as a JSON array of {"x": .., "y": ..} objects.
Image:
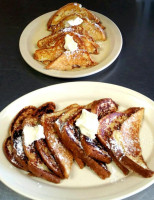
[
  {"x": 63, "y": 142},
  {"x": 74, "y": 31}
]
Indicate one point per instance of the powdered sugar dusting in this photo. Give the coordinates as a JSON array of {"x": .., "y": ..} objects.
[
  {"x": 18, "y": 146},
  {"x": 14, "y": 161}
]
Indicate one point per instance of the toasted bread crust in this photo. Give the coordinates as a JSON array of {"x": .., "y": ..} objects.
[
  {"x": 130, "y": 164},
  {"x": 80, "y": 162},
  {"x": 41, "y": 173}
]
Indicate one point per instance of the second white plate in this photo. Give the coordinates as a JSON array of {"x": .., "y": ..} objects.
[
  {"x": 82, "y": 184},
  {"x": 37, "y": 29}
]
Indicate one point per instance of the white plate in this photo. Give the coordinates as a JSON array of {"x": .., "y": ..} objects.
[
  {"x": 37, "y": 29},
  {"x": 82, "y": 184}
]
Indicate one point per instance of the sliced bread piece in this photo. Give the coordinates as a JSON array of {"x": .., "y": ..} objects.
[
  {"x": 125, "y": 145},
  {"x": 72, "y": 60},
  {"x": 69, "y": 9}
]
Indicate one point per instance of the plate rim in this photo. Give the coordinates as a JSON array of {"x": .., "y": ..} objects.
[
  {"x": 151, "y": 181},
  {"x": 65, "y": 75}
]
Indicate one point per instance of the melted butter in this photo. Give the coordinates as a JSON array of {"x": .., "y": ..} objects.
[
  {"x": 70, "y": 44},
  {"x": 32, "y": 134},
  {"x": 75, "y": 22},
  {"x": 88, "y": 123}
]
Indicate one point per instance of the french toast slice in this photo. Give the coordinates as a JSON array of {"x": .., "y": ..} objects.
[
  {"x": 125, "y": 144},
  {"x": 72, "y": 143},
  {"x": 83, "y": 41},
  {"x": 90, "y": 45},
  {"x": 111, "y": 122},
  {"x": 37, "y": 167},
  {"x": 50, "y": 40},
  {"x": 60, "y": 122},
  {"x": 50, "y": 54},
  {"x": 62, "y": 156},
  {"x": 103, "y": 107},
  {"x": 8, "y": 151},
  {"x": 47, "y": 157},
  {"x": 93, "y": 149},
  {"x": 15, "y": 131},
  {"x": 69, "y": 9},
  {"x": 92, "y": 29},
  {"x": 107, "y": 124},
  {"x": 72, "y": 60}
]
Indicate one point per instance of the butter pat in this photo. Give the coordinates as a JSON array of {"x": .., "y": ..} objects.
[
  {"x": 70, "y": 44},
  {"x": 33, "y": 133},
  {"x": 75, "y": 22},
  {"x": 88, "y": 123}
]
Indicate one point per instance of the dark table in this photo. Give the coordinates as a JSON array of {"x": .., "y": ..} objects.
[{"x": 133, "y": 69}]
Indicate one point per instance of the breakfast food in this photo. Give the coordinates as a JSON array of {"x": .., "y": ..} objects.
[
  {"x": 46, "y": 142},
  {"x": 74, "y": 31},
  {"x": 92, "y": 29},
  {"x": 69, "y": 9},
  {"x": 71, "y": 60},
  {"x": 127, "y": 150}
]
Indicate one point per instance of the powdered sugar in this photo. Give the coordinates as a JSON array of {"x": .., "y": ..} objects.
[{"x": 18, "y": 146}]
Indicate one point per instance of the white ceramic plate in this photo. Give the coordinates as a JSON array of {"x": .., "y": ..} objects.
[
  {"x": 37, "y": 29},
  {"x": 82, "y": 184}
]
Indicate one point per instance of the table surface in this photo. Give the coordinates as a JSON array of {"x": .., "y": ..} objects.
[{"x": 133, "y": 69}]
